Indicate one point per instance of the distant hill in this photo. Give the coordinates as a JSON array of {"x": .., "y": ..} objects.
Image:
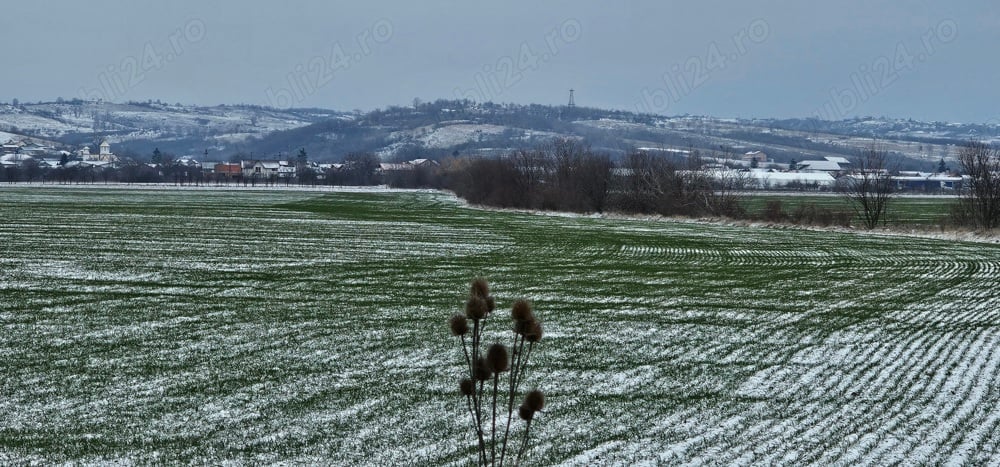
[
  {"x": 140, "y": 126},
  {"x": 445, "y": 127}
]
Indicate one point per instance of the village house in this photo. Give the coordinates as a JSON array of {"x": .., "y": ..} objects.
[
  {"x": 89, "y": 164},
  {"x": 228, "y": 170},
  {"x": 424, "y": 163},
  {"x": 35, "y": 150},
  {"x": 408, "y": 166},
  {"x": 49, "y": 163},
  {"x": 832, "y": 165},
  {"x": 415, "y": 172},
  {"x": 14, "y": 160},
  {"x": 11, "y": 147},
  {"x": 286, "y": 169},
  {"x": 260, "y": 170},
  {"x": 758, "y": 156},
  {"x": 188, "y": 162},
  {"x": 17, "y": 153},
  {"x": 389, "y": 167}
]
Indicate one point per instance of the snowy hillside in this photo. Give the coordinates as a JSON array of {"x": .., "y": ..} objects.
[
  {"x": 73, "y": 122},
  {"x": 441, "y": 128},
  {"x": 450, "y": 134}
]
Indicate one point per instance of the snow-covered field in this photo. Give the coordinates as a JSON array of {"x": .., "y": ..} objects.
[{"x": 218, "y": 326}]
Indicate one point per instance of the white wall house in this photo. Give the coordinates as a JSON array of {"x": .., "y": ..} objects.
[{"x": 265, "y": 169}]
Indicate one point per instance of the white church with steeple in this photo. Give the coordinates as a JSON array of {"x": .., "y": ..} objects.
[{"x": 104, "y": 154}]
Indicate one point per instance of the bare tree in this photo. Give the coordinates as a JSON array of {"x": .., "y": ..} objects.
[
  {"x": 651, "y": 184},
  {"x": 593, "y": 180},
  {"x": 580, "y": 177},
  {"x": 362, "y": 168},
  {"x": 729, "y": 188},
  {"x": 654, "y": 184},
  {"x": 980, "y": 204},
  {"x": 869, "y": 187},
  {"x": 532, "y": 166}
]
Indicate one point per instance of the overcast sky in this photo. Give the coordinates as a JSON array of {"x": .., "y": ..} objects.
[{"x": 915, "y": 59}]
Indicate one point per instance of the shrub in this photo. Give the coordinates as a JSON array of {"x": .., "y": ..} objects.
[
  {"x": 811, "y": 214},
  {"x": 773, "y": 211}
]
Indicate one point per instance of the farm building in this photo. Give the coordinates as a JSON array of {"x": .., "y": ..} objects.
[
  {"x": 830, "y": 165},
  {"x": 766, "y": 179},
  {"x": 927, "y": 182}
]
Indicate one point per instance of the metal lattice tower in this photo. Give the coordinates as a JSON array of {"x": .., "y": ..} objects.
[{"x": 571, "y": 102}]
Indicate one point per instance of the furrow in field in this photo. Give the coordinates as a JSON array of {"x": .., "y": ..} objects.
[
  {"x": 294, "y": 328},
  {"x": 880, "y": 424}
]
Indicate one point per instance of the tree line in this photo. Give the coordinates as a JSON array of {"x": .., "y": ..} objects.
[
  {"x": 357, "y": 169},
  {"x": 979, "y": 204},
  {"x": 566, "y": 175},
  {"x": 869, "y": 190}
]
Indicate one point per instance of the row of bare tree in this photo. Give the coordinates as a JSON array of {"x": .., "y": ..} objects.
[
  {"x": 649, "y": 183},
  {"x": 870, "y": 188},
  {"x": 564, "y": 175},
  {"x": 979, "y": 205},
  {"x": 567, "y": 175}
]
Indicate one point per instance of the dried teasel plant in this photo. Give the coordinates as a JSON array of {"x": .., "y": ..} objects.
[{"x": 493, "y": 375}]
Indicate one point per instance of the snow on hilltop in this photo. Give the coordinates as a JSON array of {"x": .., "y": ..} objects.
[
  {"x": 134, "y": 121},
  {"x": 439, "y": 128}
]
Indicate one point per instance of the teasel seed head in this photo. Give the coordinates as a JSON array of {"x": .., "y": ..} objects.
[
  {"x": 475, "y": 308},
  {"x": 480, "y": 289},
  {"x": 491, "y": 304},
  {"x": 524, "y": 327},
  {"x": 459, "y": 324},
  {"x": 468, "y": 387},
  {"x": 522, "y": 311},
  {"x": 535, "y": 333},
  {"x": 525, "y": 413},
  {"x": 483, "y": 371},
  {"x": 534, "y": 400},
  {"x": 496, "y": 355}
]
